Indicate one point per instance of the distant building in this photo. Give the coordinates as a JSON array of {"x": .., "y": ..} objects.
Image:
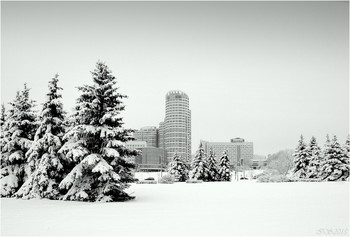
[
  {"x": 239, "y": 151},
  {"x": 132, "y": 145},
  {"x": 161, "y": 136},
  {"x": 259, "y": 162},
  {"x": 151, "y": 159},
  {"x": 176, "y": 129},
  {"x": 172, "y": 136},
  {"x": 147, "y": 134}
]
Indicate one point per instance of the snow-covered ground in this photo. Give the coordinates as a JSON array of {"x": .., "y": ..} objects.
[{"x": 231, "y": 209}]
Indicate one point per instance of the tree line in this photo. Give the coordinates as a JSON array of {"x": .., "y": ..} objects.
[
  {"x": 203, "y": 167},
  {"x": 77, "y": 157},
  {"x": 328, "y": 164}
]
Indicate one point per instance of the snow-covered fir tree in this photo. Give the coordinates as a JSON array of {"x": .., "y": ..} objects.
[
  {"x": 96, "y": 144},
  {"x": 335, "y": 166},
  {"x": 178, "y": 169},
  {"x": 2, "y": 115},
  {"x": 199, "y": 166},
  {"x": 212, "y": 166},
  {"x": 346, "y": 150},
  {"x": 20, "y": 127},
  {"x": 314, "y": 158},
  {"x": 224, "y": 167},
  {"x": 324, "y": 151},
  {"x": 301, "y": 160},
  {"x": 47, "y": 165},
  {"x": 347, "y": 144},
  {"x": 2, "y": 133}
]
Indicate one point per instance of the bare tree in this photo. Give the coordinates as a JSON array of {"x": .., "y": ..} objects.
[{"x": 281, "y": 161}]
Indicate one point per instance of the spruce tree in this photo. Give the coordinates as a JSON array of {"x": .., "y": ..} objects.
[
  {"x": 212, "y": 166},
  {"x": 346, "y": 150},
  {"x": 96, "y": 144},
  {"x": 19, "y": 132},
  {"x": 2, "y": 115},
  {"x": 3, "y": 139},
  {"x": 315, "y": 158},
  {"x": 347, "y": 144},
  {"x": 199, "y": 166},
  {"x": 47, "y": 165},
  {"x": 224, "y": 167},
  {"x": 336, "y": 164},
  {"x": 301, "y": 160},
  {"x": 178, "y": 169}
]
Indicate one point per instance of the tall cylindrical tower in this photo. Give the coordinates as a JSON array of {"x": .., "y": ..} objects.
[{"x": 177, "y": 125}]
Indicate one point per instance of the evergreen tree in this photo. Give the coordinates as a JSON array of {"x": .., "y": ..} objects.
[
  {"x": 199, "y": 166},
  {"x": 224, "y": 167},
  {"x": 47, "y": 165},
  {"x": 315, "y": 158},
  {"x": 336, "y": 164},
  {"x": 2, "y": 116},
  {"x": 301, "y": 160},
  {"x": 212, "y": 166},
  {"x": 347, "y": 145},
  {"x": 326, "y": 150},
  {"x": 346, "y": 150},
  {"x": 96, "y": 144},
  {"x": 178, "y": 169},
  {"x": 3, "y": 139},
  {"x": 19, "y": 132}
]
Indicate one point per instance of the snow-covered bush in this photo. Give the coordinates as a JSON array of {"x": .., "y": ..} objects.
[
  {"x": 146, "y": 182},
  {"x": 273, "y": 178},
  {"x": 263, "y": 179},
  {"x": 18, "y": 134},
  {"x": 96, "y": 144},
  {"x": 279, "y": 179},
  {"x": 194, "y": 181},
  {"x": 167, "y": 179},
  {"x": 200, "y": 170}
]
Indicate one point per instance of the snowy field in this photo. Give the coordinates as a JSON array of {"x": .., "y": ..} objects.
[{"x": 231, "y": 209}]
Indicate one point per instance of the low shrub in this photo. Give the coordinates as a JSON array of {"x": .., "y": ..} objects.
[
  {"x": 147, "y": 182},
  {"x": 263, "y": 179},
  {"x": 306, "y": 180},
  {"x": 193, "y": 181},
  {"x": 269, "y": 172},
  {"x": 273, "y": 178},
  {"x": 167, "y": 179},
  {"x": 279, "y": 178}
]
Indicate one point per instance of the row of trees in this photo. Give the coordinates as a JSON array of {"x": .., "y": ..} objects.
[
  {"x": 78, "y": 157},
  {"x": 330, "y": 163},
  {"x": 203, "y": 167}
]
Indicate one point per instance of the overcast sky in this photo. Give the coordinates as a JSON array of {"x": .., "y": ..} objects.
[{"x": 264, "y": 71}]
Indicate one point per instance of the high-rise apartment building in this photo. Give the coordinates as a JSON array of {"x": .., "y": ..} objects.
[
  {"x": 161, "y": 136},
  {"x": 148, "y": 134},
  {"x": 240, "y": 152},
  {"x": 176, "y": 129}
]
